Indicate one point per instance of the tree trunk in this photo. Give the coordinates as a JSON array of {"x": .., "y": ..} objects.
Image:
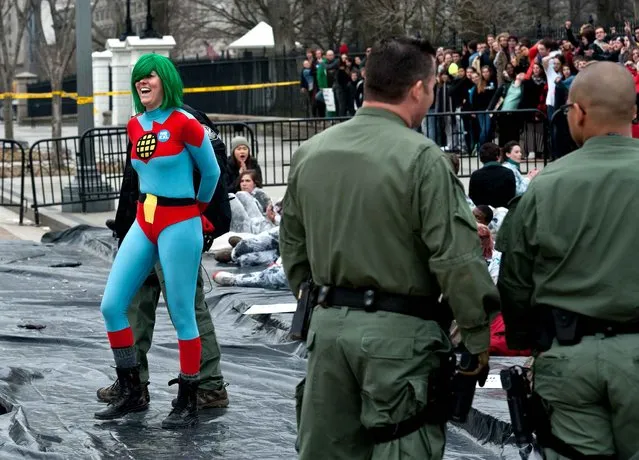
[
  {"x": 160, "y": 11},
  {"x": 606, "y": 12},
  {"x": 574, "y": 7},
  {"x": 7, "y": 114},
  {"x": 472, "y": 24},
  {"x": 283, "y": 31},
  {"x": 56, "y": 107}
]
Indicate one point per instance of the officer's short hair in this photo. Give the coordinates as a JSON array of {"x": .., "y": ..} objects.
[
  {"x": 394, "y": 65},
  {"x": 489, "y": 152}
]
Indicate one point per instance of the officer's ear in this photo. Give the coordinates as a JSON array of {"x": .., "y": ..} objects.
[{"x": 422, "y": 88}]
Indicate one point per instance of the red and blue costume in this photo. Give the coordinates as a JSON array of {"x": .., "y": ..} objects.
[{"x": 167, "y": 144}]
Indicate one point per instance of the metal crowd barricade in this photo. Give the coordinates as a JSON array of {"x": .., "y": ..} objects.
[
  {"x": 230, "y": 129},
  {"x": 90, "y": 167},
  {"x": 561, "y": 141},
  {"x": 463, "y": 133},
  {"x": 278, "y": 140},
  {"x": 101, "y": 163},
  {"x": 52, "y": 167},
  {"x": 12, "y": 172}
]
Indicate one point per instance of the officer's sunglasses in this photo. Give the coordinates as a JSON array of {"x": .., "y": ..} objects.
[{"x": 566, "y": 108}]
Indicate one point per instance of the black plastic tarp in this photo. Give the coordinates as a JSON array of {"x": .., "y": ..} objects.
[{"x": 54, "y": 354}]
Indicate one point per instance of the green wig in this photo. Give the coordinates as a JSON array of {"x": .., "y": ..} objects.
[{"x": 171, "y": 81}]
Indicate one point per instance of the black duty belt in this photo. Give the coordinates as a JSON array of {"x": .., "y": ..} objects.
[
  {"x": 166, "y": 201},
  {"x": 424, "y": 307},
  {"x": 592, "y": 326}
]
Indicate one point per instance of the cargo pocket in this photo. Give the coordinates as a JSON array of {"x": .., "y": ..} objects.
[
  {"x": 419, "y": 389},
  {"x": 385, "y": 389},
  {"x": 551, "y": 377},
  {"x": 388, "y": 348}
]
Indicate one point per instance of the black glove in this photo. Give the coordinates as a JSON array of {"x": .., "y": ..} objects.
[
  {"x": 208, "y": 242},
  {"x": 111, "y": 225}
]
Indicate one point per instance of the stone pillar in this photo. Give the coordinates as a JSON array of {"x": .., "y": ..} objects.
[
  {"x": 120, "y": 80},
  {"x": 140, "y": 46},
  {"x": 22, "y": 80},
  {"x": 101, "y": 62}
]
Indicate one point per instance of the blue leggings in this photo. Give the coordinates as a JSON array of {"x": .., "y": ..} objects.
[{"x": 179, "y": 249}]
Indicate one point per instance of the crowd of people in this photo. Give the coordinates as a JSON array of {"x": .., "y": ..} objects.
[
  {"x": 506, "y": 73},
  {"x": 501, "y": 73},
  {"x": 340, "y": 77}
]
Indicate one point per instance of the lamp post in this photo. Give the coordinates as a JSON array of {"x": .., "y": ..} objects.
[
  {"x": 149, "y": 32},
  {"x": 129, "y": 27}
]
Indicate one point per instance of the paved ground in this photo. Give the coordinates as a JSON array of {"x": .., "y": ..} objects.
[
  {"x": 33, "y": 133},
  {"x": 6, "y": 235},
  {"x": 10, "y": 228}
]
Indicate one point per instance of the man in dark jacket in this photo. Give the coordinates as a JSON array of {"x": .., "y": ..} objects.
[
  {"x": 493, "y": 184},
  {"x": 211, "y": 392}
]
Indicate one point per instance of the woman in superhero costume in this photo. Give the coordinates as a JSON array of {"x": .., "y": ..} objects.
[{"x": 168, "y": 143}]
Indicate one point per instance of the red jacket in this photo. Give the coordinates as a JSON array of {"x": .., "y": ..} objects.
[
  {"x": 498, "y": 345},
  {"x": 635, "y": 76},
  {"x": 532, "y": 57}
]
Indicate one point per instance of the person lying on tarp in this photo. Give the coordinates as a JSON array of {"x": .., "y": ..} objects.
[
  {"x": 252, "y": 207},
  {"x": 272, "y": 277},
  {"x": 254, "y": 249}
]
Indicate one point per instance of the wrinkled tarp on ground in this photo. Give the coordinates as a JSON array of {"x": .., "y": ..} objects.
[{"x": 48, "y": 377}]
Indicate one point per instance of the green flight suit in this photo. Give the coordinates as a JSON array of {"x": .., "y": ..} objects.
[
  {"x": 571, "y": 243},
  {"x": 371, "y": 203},
  {"x": 142, "y": 319}
]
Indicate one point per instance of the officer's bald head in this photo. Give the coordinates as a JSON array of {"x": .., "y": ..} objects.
[{"x": 604, "y": 96}]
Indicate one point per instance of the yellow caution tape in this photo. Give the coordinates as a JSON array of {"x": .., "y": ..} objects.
[
  {"x": 85, "y": 100},
  {"x": 89, "y": 99}
]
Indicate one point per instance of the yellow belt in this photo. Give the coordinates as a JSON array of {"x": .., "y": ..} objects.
[{"x": 150, "y": 203}]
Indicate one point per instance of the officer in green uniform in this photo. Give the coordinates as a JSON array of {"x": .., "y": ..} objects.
[
  {"x": 569, "y": 271},
  {"x": 375, "y": 214}
]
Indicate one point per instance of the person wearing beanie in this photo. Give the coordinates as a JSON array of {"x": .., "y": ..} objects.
[{"x": 240, "y": 161}]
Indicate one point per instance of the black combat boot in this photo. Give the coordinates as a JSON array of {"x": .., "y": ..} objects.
[
  {"x": 210, "y": 399},
  {"x": 184, "y": 413},
  {"x": 111, "y": 392},
  {"x": 131, "y": 396}
]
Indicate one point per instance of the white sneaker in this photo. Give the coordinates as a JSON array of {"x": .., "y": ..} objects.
[{"x": 224, "y": 278}]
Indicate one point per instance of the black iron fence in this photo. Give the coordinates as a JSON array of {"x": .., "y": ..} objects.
[
  {"x": 74, "y": 171},
  {"x": 12, "y": 172}
]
